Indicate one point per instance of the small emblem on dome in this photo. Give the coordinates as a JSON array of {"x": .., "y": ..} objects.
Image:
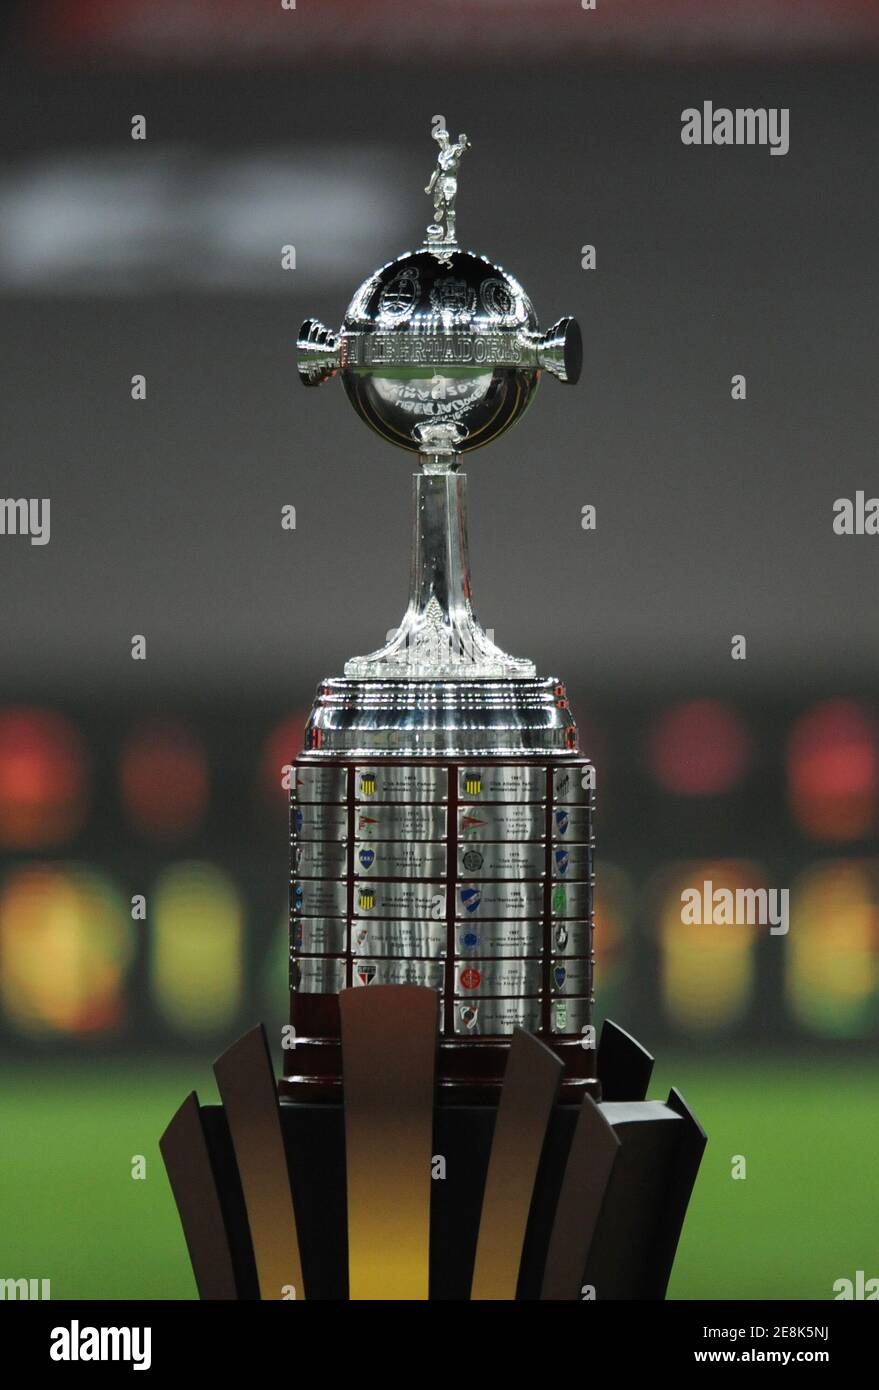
[
  {"x": 496, "y": 298},
  {"x": 451, "y": 296},
  {"x": 399, "y": 296}
]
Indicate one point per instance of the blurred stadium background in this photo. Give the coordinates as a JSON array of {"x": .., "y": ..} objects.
[{"x": 268, "y": 127}]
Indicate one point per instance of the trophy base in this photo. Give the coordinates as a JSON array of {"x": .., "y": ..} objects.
[
  {"x": 473, "y": 878},
  {"x": 519, "y": 718}
]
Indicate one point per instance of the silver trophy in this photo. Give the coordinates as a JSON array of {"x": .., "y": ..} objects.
[{"x": 441, "y": 813}]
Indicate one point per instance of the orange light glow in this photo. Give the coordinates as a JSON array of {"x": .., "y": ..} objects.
[
  {"x": 701, "y": 748},
  {"x": 832, "y": 981},
  {"x": 707, "y": 970},
  {"x": 163, "y": 771},
  {"x": 43, "y": 792},
  {"x": 66, "y": 944},
  {"x": 833, "y": 771},
  {"x": 283, "y": 745}
]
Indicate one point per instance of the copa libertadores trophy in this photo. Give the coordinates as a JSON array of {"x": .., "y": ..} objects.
[{"x": 441, "y": 817}]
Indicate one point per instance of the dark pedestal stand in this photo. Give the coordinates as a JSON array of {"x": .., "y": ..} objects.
[{"x": 388, "y": 1196}]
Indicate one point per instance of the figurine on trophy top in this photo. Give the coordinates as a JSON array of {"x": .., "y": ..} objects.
[{"x": 444, "y": 186}]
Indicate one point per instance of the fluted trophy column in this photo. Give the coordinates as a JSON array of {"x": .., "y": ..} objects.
[{"x": 441, "y": 818}]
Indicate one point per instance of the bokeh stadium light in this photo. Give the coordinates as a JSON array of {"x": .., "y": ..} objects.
[
  {"x": 832, "y": 979},
  {"x": 164, "y": 780},
  {"x": 699, "y": 748},
  {"x": 67, "y": 944},
  {"x": 196, "y": 949},
  {"x": 43, "y": 779},
  {"x": 283, "y": 744},
  {"x": 833, "y": 771},
  {"x": 614, "y": 909},
  {"x": 706, "y": 972}
]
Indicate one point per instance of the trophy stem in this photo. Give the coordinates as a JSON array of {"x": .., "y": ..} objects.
[{"x": 440, "y": 635}]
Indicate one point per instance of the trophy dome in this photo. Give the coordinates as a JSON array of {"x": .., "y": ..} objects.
[{"x": 439, "y": 338}]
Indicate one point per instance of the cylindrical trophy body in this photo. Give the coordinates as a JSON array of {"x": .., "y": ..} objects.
[{"x": 473, "y": 877}]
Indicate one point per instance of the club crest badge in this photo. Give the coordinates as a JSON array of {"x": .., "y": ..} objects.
[
  {"x": 452, "y": 297},
  {"x": 496, "y": 298},
  {"x": 471, "y": 897},
  {"x": 365, "y": 972},
  {"x": 367, "y": 858},
  {"x": 561, "y": 937},
  {"x": 562, "y": 821},
  {"x": 400, "y": 295},
  {"x": 298, "y": 821},
  {"x": 473, "y": 785},
  {"x": 366, "y": 899},
  {"x": 473, "y": 861},
  {"x": 470, "y": 978},
  {"x": 560, "y": 1011},
  {"x": 469, "y": 940},
  {"x": 559, "y": 975},
  {"x": 368, "y": 784},
  {"x": 562, "y": 859},
  {"x": 469, "y": 1015}
]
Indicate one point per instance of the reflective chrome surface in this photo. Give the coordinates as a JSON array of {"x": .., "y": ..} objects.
[
  {"x": 439, "y": 634},
  {"x": 311, "y": 782},
  {"x": 571, "y": 938},
  {"x": 372, "y": 938},
  {"x": 420, "y": 901},
  {"x": 443, "y": 718},
  {"x": 479, "y": 1017},
  {"x": 501, "y": 861},
  {"x": 402, "y": 783},
  {"x": 440, "y": 352},
  {"x": 324, "y": 936},
  {"x": 569, "y": 1015},
  {"x": 400, "y": 822},
  {"x": 320, "y": 859},
  {"x": 571, "y": 900},
  {"x": 478, "y": 900},
  {"x": 571, "y": 861},
  {"x": 496, "y": 782},
  {"x": 497, "y": 977},
  {"x": 570, "y": 823},
  {"x": 570, "y": 976},
  {"x": 478, "y": 823},
  {"x": 398, "y": 972},
  {"x": 499, "y": 939},
  {"x": 318, "y": 820},
  {"x": 317, "y": 975},
  {"x": 313, "y": 897},
  {"x": 445, "y": 734},
  {"x": 400, "y": 859}
]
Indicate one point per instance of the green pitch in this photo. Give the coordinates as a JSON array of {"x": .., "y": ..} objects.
[{"x": 805, "y": 1215}]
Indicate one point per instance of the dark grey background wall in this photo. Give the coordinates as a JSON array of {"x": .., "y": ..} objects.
[{"x": 163, "y": 257}]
